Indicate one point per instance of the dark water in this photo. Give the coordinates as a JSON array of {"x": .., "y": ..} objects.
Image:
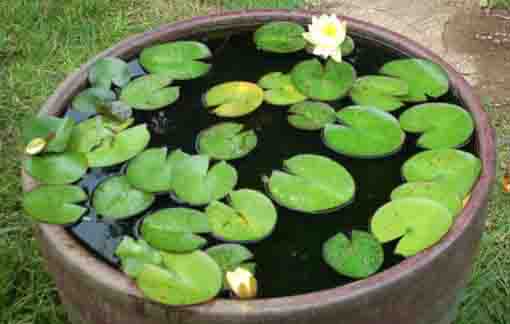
[{"x": 289, "y": 262}]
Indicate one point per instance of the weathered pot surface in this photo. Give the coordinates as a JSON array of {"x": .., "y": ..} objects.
[{"x": 423, "y": 289}]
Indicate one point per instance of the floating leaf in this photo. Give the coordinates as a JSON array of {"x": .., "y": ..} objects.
[
  {"x": 250, "y": 217},
  {"x": 456, "y": 170},
  {"x": 135, "y": 254},
  {"x": 55, "y": 204},
  {"x": 418, "y": 222},
  {"x": 150, "y": 92},
  {"x": 226, "y": 141},
  {"x": 424, "y": 78},
  {"x": 108, "y": 71},
  {"x": 365, "y": 132},
  {"x": 229, "y": 256},
  {"x": 311, "y": 115},
  {"x": 234, "y": 99},
  {"x": 117, "y": 110},
  {"x": 186, "y": 279},
  {"x": 195, "y": 184},
  {"x": 55, "y": 131},
  {"x": 115, "y": 198},
  {"x": 280, "y": 90},
  {"x": 348, "y": 46},
  {"x": 174, "y": 229},
  {"x": 311, "y": 184},
  {"x": 327, "y": 83},
  {"x": 443, "y": 125},
  {"x": 178, "y": 60},
  {"x": 430, "y": 190},
  {"x": 379, "y": 91},
  {"x": 57, "y": 168},
  {"x": 359, "y": 257},
  {"x": 280, "y": 37},
  {"x": 89, "y": 99}
]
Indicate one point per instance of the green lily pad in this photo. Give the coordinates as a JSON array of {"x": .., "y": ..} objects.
[
  {"x": 55, "y": 204},
  {"x": 57, "y": 168},
  {"x": 365, "y": 132},
  {"x": 135, "y": 254},
  {"x": 174, "y": 229},
  {"x": 234, "y": 99},
  {"x": 150, "y": 92},
  {"x": 226, "y": 141},
  {"x": 89, "y": 99},
  {"x": 311, "y": 115},
  {"x": 456, "y": 170},
  {"x": 56, "y": 131},
  {"x": 348, "y": 46},
  {"x": 119, "y": 148},
  {"x": 358, "y": 257},
  {"x": 115, "y": 198},
  {"x": 418, "y": 222},
  {"x": 196, "y": 184},
  {"x": 117, "y": 111},
  {"x": 430, "y": 190},
  {"x": 108, "y": 71},
  {"x": 186, "y": 279},
  {"x": 424, "y": 78},
  {"x": 280, "y": 90},
  {"x": 250, "y": 217},
  {"x": 178, "y": 60},
  {"x": 230, "y": 256},
  {"x": 280, "y": 37},
  {"x": 379, "y": 91},
  {"x": 443, "y": 125},
  {"x": 311, "y": 184},
  {"x": 327, "y": 83}
]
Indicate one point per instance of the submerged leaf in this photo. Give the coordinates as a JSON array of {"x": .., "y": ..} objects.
[
  {"x": 89, "y": 99},
  {"x": 280, "y": 37},
  {"x": 57, "y": 168},
  {"x": 379, "y": 92},
  {"x": 135, "y": 254},
  {"x": 234, "y": 99},
  {"x": 150, "y": 92},
  {"x": 279, "y": 89},
  {"x": 55, "y": 131},
  {"x": 108, "y": 71},
  {"x": 311, "y": 115},
  {"x": 226, "y": 141}
]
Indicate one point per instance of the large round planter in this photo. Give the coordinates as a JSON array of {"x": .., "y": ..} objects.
[{"x": 424, "y": 289}]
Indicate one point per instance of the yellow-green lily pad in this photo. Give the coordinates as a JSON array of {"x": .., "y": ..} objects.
[
  {"x": 280, "y": 37},
  {"x": 115, "y": 198},
  {"x": 379, "y": 91},
  {"x": 250, "y": 216},
  {"x": 279, "y": 89},
  {"x": 57, "y": 168},
  {"x": 55, "y": 204},
  {"x": 311, "y": 115},
  {"x": 324, "y": 83},
  {"x": 89, "y": 99},
  {"x": 365, "y": 132},
  {"x": 311, "y": 184},
  {"x": 443, "y": 125},
  {"x": 135, "y": 254},
  {"x": 108, "y": 71},
  {"x": 419, "y": 223},
  {"x": 150, "y": 92},
  {"x": 226, "y": 141},
  {"x": 55, "y": 131},
  {"x": 358, "y": 257},
  {"x": 234, "y": 99}
]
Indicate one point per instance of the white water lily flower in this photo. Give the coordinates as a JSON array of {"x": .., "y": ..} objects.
[{"x": 326, "y": 34}]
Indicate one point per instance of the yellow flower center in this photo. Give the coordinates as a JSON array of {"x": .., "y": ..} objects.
[{"x": 329, "y": 30}]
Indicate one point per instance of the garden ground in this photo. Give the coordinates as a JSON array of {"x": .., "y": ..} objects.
[{"x": 41, "y": 41}]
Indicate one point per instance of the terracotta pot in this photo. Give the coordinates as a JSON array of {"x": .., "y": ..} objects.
[{"x": 423, "y": 289}]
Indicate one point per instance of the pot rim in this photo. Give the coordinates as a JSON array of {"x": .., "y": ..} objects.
[{"x": 79, "y": 259}]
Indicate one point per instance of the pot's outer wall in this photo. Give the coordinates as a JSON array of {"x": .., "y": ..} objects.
[{"x": 423, "y": 289}]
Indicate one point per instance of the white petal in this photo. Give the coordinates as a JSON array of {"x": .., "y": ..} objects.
[{"x": 337, "y": 56}]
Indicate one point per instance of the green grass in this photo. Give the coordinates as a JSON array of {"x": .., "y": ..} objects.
[
  {"x": 41, "y": 41},
  {"x": 504, "y": 4}
]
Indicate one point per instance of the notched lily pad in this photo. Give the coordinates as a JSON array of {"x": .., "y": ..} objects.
[
  {"x": 279, "y": 89},
  {"x": 379, "y": 91},
  {"x": 234, "y": 99},
  {"x": 280, "y": 37},
  {"x": 178, "y": 60},
  {"x": 456, "y": 170},
  {"x": 184, "y": 279},
  {"x": 358, "y": 257},
  {"x": 250, "y": 216},
  {"x": 311, "y": 184},
  {"x": 89, "y": 99},
  {"x": 108, "y": 71},
  {"x": 443, "y": 125},
  {"x": 226, "y": 141},
  {"x": 365, "y": 132},
  {"x": 418, "y": 222},
  {"x": 57, "y": 168},
  {"x": 150, "y": 92},
  {"x": 55, "y": 131},
  {"x": 311, "y": 115},
  {"x": 424, "y": 78},
  {"x": 174, "y": 229},
  {"x": 115, "y": 198},
  {"x": 55, "y": 204},
  {"x": 135, "y": 254},
  {"x": 327, "y": 83}
]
